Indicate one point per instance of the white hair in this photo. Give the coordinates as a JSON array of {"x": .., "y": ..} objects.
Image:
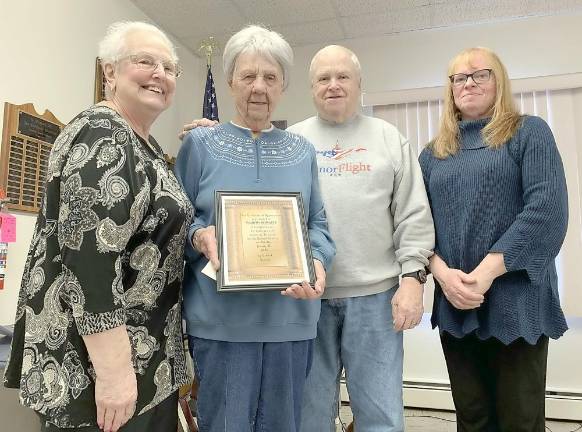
[
  {"x": 113, "y": 45},
  {"x": 348, "y": 51},
  {"x": 259, "y": 40}
]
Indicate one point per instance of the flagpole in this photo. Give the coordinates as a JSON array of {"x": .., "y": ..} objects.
[{"x": 210, "y": 103}]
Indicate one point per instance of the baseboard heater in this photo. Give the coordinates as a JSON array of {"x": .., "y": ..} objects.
[{"x": 560, "y": 405}]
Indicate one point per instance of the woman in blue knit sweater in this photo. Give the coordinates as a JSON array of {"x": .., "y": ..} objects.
[{"x": 497, "y": 189}]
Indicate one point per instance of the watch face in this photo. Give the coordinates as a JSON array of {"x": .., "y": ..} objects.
[{"x": 419, "y": 275}]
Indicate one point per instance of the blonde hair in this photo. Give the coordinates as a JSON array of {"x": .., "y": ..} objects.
[{"x": 505, "y": 119}]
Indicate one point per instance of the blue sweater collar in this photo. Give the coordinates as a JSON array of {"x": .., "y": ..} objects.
[
  {"x": 470, "y": 133},
  {"x": 246, "y": 131}
]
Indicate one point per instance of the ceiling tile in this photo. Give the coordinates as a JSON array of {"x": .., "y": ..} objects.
[
  {"x": 417, "y": 18},
  {"x": 367, "y": 25},
  {"x": 307, "y": 21},
  {"x": 358, "y": 7},
  {"x": 546, "y": 7},
  {"x": 278, "y": 12},
  {"x": 187, "y": 9},
  {"x": 508, "y": 9},
  {"x": 456, "y": 13},
  {"x": 312, "y": 32},
  {"x": 182, "y": 18},
  {"x": 213, "y": 22},
  {"x": 348, "y": 8}
]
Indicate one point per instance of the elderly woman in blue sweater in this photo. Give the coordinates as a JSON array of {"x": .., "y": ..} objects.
[
  {"x": 497, "y": 190},
  {"x": 252, "y": 351}
]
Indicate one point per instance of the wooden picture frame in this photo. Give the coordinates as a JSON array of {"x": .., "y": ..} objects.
[{"x": 263, "y": 241}]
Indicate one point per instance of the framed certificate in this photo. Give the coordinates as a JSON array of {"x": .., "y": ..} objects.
[{"x": 262, "y": 239}]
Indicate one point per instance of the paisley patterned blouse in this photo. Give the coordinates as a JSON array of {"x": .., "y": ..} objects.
[{"x": 106, "y": 251}]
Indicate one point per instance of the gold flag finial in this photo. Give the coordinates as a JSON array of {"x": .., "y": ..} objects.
[{"x": 208, "y": 47}]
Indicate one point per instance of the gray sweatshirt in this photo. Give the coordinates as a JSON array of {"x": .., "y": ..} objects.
[{"x": 376, "y": 204}]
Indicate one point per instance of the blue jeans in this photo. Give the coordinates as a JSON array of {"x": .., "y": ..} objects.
[
  {"x": 356, "y": 334},
  {"x": 250, "y": 386}
]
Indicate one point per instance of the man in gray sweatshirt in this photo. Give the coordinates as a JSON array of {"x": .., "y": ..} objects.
[{"x": 380, "y": 219}]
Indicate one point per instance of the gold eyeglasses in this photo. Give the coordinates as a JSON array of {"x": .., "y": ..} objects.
[{"x": 149, "y": 63}]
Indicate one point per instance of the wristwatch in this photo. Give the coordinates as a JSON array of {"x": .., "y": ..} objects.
[{"x": 419, "y": 275}]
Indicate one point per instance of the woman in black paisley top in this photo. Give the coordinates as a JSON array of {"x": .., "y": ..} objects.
[{"x": 98, "y": 341}]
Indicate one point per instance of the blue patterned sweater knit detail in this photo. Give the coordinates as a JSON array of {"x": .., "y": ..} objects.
[
  {"x": 227, "y": 157},
  {"x": 511, "y": 200}
]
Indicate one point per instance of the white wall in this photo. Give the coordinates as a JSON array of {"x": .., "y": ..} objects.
[
  {"x": 532, "y": 47},
  {"x": 48, "y": 58}
]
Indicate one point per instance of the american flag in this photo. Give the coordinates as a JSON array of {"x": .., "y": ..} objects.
[{"x": 210, "y": 105}]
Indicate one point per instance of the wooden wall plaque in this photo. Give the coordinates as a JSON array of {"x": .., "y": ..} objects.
[{"x": 27, "y": 139}]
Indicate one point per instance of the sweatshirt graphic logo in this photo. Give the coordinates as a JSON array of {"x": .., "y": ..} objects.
[
  {"x": 338, "y": 153},
  {"x": 332, "y": 162}
]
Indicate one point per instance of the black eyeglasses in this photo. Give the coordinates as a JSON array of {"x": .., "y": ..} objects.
[{"x": 480, "y": 76}]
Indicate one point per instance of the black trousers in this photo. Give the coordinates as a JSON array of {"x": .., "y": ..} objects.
[
  {"x": 161, "y": 418},
  {"x": 497, "y": 387}
]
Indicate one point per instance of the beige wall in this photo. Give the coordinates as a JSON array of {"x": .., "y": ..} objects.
[{"x": 48, "y": 58}]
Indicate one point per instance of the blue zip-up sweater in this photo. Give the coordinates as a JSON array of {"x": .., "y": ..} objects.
[
  {"x": 227, "y": 157},
  {"x": 511, "y": 200}
]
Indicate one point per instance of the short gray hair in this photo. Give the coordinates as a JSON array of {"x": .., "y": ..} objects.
[
  {"x": 353, "y": 57},
  {"x": 112, "y": 46},
  {"x": 257, "y": 39}
]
